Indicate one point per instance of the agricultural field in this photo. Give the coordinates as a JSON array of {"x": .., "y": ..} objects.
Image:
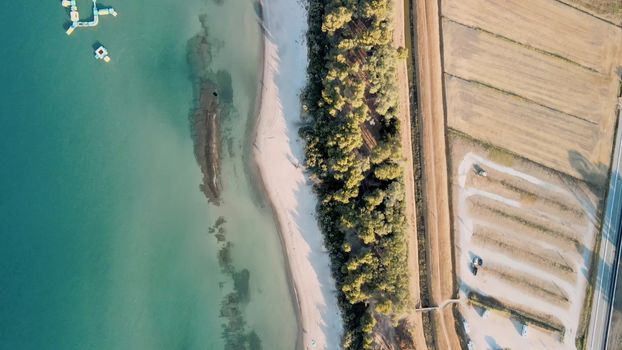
[
  {"x": 609, "y": 10},
  {"x": 542, "y": 79},
  {"x": 530, "y": 90},
  {"x": 587, "y": 42},
  {"x": 474, "y": 108},
  {"x": 535, "y": 230}
]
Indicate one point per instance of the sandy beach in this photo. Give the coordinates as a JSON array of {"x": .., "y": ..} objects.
[{"x": 278, "y": 152}]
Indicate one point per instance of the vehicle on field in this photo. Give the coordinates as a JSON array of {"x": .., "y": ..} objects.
[{"x": 479, "y": 171}]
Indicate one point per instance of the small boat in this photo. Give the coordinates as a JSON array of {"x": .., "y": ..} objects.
[{"x": 101, "y": 53}]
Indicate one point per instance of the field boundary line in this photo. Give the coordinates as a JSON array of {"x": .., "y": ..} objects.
[
  {"x": 588, "y": 13},
  {"x": 489, "y": 145},
  {"x": 513, "y": 94},
  {"x": 525, "y": 46}
]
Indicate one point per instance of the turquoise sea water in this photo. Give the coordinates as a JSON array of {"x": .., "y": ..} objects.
[{"x": 105, "y": 239}]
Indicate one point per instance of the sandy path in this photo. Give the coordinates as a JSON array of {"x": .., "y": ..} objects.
[
  {"x": 399, "y": 40},
  {"x": 279, "y": 154},
  {"x": 435, "y": 190},
  {"x": 567, "y": 303}
]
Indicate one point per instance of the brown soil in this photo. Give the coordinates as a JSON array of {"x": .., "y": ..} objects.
[
  {"x": 436, "y": 197},
  {"x": 415, "y": 321},
  {"x": 478, "y": 56},
  {"x": 541, "y": 258},
  {"x": 541, "y": 134},
  {"x": 609, "y": 10},
  {"x": 539, "y": 25},
  {"x": 552, "y": 230},
  {"x": 544, "y": 290},
  {"x": 530, "y": 85},
  {"x": 525, "y": 314},
  {"x": 561, "y": 208},
  {"x": 555, "y": 232}
]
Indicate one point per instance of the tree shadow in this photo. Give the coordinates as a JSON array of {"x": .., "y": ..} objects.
[
  {"x": 492, "y": 343},
  {"x": 594, "y": 175},
  {"x": 606, "y": 186},
  {"x": 518, "y": 325}
]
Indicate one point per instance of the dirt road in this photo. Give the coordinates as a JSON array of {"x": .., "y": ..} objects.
[
  {"x": 437, "y": 216},
  {"x": 399, "y": 40}
]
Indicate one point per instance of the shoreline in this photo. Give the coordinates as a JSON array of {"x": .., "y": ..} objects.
[
  {"x": 257, "y": 180},
  {"x": 277, "y": 167}
]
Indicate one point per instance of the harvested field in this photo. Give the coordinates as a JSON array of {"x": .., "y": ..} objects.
[
  {"x": 542, "y": 224},
  {"x": 535, "y": 230},
  {"x": 541, "y": 134},
  {"x": 545, "y": 258},
  {"x": 478, "y": 56},
  {"x": 609, "y": 10},
  {"x": 529, "y": 196},
  {"x": 525, "y": 315},
  {"x": 538, "y": 24},
  {"x": 543, "y": 289},
  {"x": 530, "y": 94}
]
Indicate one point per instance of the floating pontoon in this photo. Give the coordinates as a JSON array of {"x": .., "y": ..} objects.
[
  {"x": 75, "y": 15},
  {"x": 102, "y": 54}
]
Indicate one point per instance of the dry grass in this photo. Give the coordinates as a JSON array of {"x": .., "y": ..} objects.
[
  {"x": 533, "y": 85},
  {"x": 477, "y": 56},
  {"x": 549, "y": 232},
  {"x": 537, "y": 133},
  {"x": 540, "y": 289},
  {"x": 539, "y": 24},
  {"x": 543, "y": 229},
  {"x": 530, "y": 197},
  {"x": 524, "y": 315},
  {"x": 562, "y": 208},
  {"x": 610, "y": 10},
  {"x": 497, "y": 155},
  {"x": 521, "y": 251}
]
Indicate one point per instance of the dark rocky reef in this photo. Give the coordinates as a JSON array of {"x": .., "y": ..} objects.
[
  {"x": 205, "y": 115},
  {"x": 207, "y": 141},
  {"x": 235, "y": 332}
]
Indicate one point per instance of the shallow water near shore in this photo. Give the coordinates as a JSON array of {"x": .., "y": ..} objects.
[{"x": 106, "y": 236}]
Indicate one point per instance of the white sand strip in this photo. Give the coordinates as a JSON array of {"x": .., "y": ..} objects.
[{"x": 279, "y": 155}]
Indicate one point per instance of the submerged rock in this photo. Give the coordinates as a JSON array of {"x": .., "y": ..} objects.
[
  {"x": 205, "y": 116},
  {"x": 207, "y": 141}
]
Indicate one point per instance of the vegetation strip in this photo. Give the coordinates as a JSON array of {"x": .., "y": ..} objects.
[
  {"x": 544, "y": 290},
  {"x": 522, "y": 316},
  {"x": 352, "y": 135},
  {"x": 424, "y": 286},
  {"x": 554, "y": 233},
  {"x": 488, "y": 238}
]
